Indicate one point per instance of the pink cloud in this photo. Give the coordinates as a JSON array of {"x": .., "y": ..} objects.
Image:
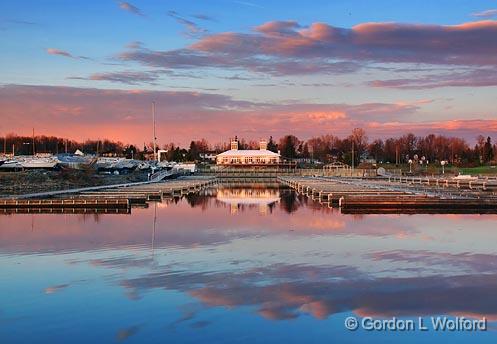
[
  {"x": 126, "y": 6},
  {"x": 285, "y": 47},
  {"x": 53, "y": 51},
  {"x": 486, "y": 13},
  {"x": 474, "y": 78},
  {"x": 124, "y": 115},
  {"x": 124, "y": 77},
  {"x": 278, "y": 27}
]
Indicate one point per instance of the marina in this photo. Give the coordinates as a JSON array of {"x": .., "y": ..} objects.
[
  {"x": 390, "y": 194},
  {"x": 248, "y": 171},
  {"x": 204, "y": 255},
  {"x": 346, "y": 193}
]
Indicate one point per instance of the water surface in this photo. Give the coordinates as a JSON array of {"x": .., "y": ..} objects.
[{"x": 241, "y": 265}]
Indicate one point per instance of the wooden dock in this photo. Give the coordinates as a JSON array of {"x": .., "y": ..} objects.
[
  {"x": 87, "y": 211},
  {"x": 110, "y": 198},
  {"x": 331, "y": 190},
  {"x": 378, "y": 196},
  {"x": 75, "y": 203},
  {"x": 154, "y": 191},
  {"x": 461, "y": 184}
]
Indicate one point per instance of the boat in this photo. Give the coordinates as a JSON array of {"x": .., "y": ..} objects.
[
  {"x": 106, "y": 164},
  {"x": 144, "y": 165},
  {"x": 465, "y": 177},
  {"x": 38, "y": 162},
  {"x": 76, "y": 161},
  {"x": 189, "y": 167},
  {"x": 11, "y": 165}
]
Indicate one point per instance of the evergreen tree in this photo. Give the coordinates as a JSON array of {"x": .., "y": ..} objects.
[
  {"x": 488, "y": 152},
  {"x": 288, "y": 146},
  {"x": 271, "y": 145},
  {"x": 193, "y": 153}
]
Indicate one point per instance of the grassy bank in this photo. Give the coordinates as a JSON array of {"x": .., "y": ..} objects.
[{"x": 436, "y": 169}]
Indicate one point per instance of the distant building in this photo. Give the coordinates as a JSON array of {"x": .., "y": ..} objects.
[
  {"x": 261, "y": 156},
  {"x": 208, "y": 156}
]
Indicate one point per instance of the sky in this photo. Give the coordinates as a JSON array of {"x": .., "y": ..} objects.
[{"x": 91, "y": 69}]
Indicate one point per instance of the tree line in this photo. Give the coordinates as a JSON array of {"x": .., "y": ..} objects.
[
  {"x": 325, "y": 148},
  {"x": 398, "y": 150}
]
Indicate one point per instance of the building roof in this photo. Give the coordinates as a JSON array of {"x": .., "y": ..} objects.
[{"x": 249, "y": 152}]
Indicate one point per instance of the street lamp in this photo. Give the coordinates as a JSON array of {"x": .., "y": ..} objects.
[{"x": 443, "y": 162}]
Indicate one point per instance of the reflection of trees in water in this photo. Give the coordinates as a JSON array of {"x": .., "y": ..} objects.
[
  {"x": 290, "y": 201},
  {"x": 198, "y": 200}
]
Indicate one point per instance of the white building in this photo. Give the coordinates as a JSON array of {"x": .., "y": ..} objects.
[
  {"x": 261, "y": 156},
  {"x": 210, "y": 156}
]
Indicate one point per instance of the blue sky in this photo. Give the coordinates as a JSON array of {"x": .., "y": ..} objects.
[{"x": 85, "y": 44}]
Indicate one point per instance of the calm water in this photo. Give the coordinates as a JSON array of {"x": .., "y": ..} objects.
[{"x": 244, "y": 266}]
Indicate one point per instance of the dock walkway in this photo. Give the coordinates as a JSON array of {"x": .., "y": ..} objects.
[
  {"x": 376, "y": 195},
  {"x": 120, "y": 196},
  {"x": 154, "y": 191}
]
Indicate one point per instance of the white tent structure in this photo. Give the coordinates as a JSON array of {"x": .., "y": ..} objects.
[{"x": 261, "y": 156}]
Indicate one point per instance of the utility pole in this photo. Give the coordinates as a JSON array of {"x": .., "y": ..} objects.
[
  {"x": 352, "y": 154},
  {"x": 34, "y": 149},
  {"x": 155, "y": 136},
  {"x": 452, "y": 153},
  {"x": 397, "y": 155},
  {"x": 66, "y": 146},
  {"x": 5, "y": 145}
]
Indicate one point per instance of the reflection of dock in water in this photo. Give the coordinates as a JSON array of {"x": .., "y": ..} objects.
[
  {"x": 75, "y": 203},
  {"x": 89, "y": 211},
  {"x": 413, "y": 211}
]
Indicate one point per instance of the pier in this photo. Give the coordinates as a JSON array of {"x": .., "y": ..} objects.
[
  {"x": 377, "y": 195},
  {"x": 107, "y": 199},
  {"x": 153, "y": 191}
]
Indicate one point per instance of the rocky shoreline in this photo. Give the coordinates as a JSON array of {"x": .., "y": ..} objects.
[{"x": 18, "y": 183}]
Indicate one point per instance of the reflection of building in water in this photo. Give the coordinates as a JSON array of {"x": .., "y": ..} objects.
[{"x": 263, "y": 198}]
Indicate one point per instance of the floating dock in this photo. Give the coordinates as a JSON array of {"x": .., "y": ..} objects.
[
  {"x": 154, "y": 191},
  {"x": 83, "y": 211},
  {"x": 65, "y": 203},
  {"x": 385, "y": 196},
  {"x": 107, "y": 199}
]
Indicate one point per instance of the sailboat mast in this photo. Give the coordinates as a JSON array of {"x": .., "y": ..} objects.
[
  {"x": 155, "y": 136},
  {"x": 34, "y": 149}
]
